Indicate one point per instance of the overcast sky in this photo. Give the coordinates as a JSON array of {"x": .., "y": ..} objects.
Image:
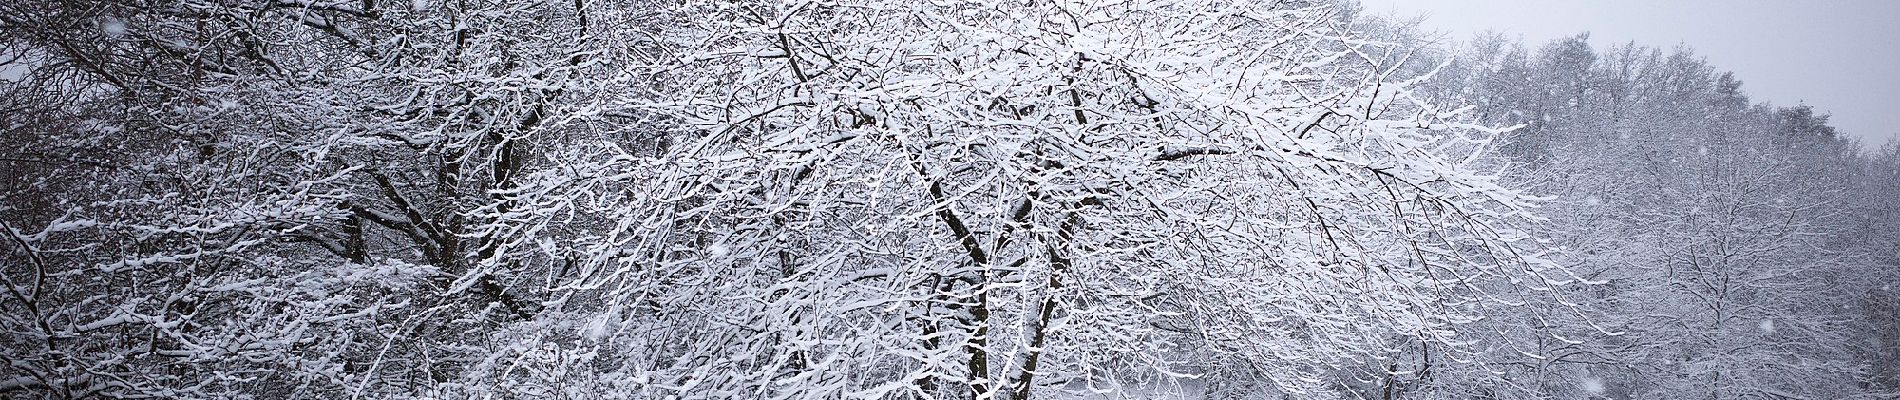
[{"x": 1840, "y": 56}]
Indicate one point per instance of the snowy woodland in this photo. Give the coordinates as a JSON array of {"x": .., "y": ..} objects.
[{"x": 913, "y": 199}]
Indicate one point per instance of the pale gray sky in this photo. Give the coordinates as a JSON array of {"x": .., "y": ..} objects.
[{"x": 1840, "y": 56}]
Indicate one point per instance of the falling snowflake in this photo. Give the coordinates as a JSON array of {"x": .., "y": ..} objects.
[
  {"x": 1766, "y": 326},
  {"x": 113, "y": 27},
  {"x": 596, "y": 329},
  {"x": 719, "y": 250},
  {"x": 1591, "y": 384}
]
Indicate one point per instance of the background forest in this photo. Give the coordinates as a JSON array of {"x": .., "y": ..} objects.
[{"x": 898, "y": 199}]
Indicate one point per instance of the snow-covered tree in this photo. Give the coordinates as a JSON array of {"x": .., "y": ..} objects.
[
  {"x": 876, "y": 199},
  {"x": 994, "y": 200}
]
